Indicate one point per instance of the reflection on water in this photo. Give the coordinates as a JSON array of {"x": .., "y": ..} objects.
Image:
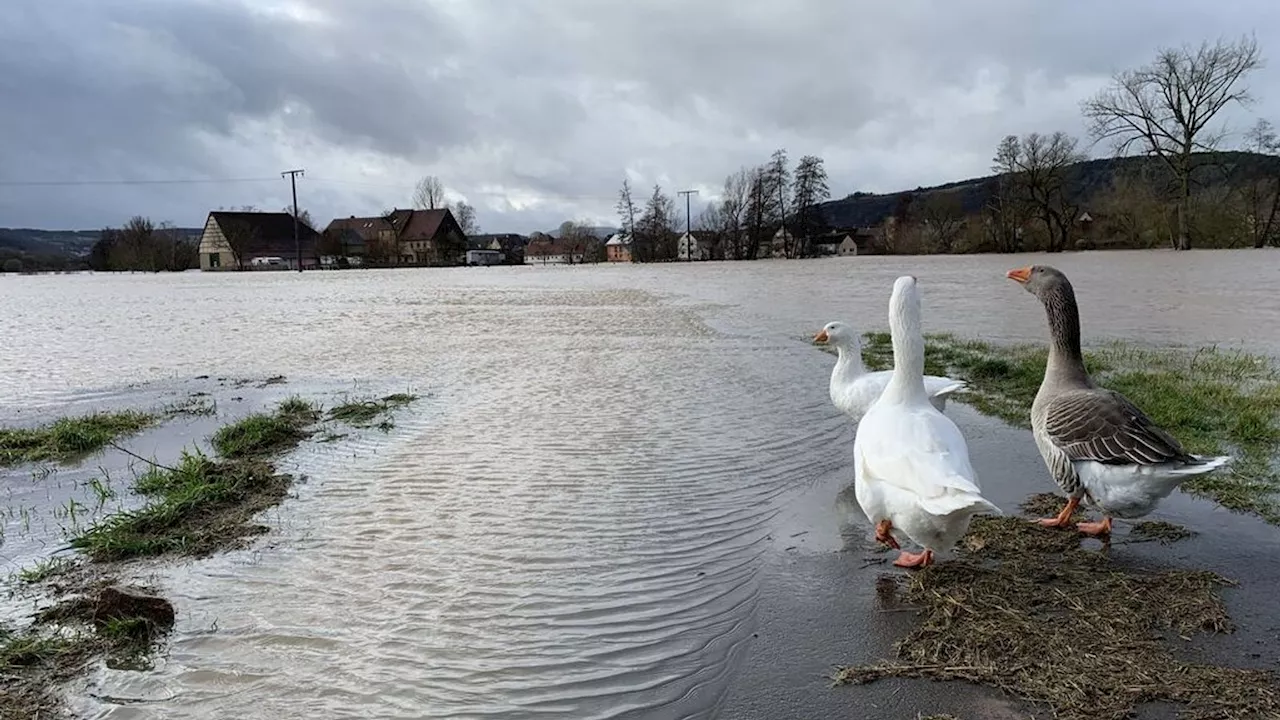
[{"x": 571, "y": 525}]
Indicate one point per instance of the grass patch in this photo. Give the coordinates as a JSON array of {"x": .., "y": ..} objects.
[
  {"x": 1213, "y": 401},
  {"x": 1026, "y": 610},
  {"x": 69, "y": 439},
  {"x": 364, "y": 413},
  {"x": 45, "y": 570},
  {"x": 263, "y": 434},
  {"x": 197, "y": 507},
  {"x": 202, "y": 504},
  {"x": 1159, "y": 530}
]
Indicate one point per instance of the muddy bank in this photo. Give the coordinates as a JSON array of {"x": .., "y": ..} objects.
[
  {"x": 188, "y": 501},
  {"x": 827, "y": 596}
]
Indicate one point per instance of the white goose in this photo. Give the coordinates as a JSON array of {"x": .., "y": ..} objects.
[
  {"x": 911, "y": 464},
  {"x": 853, "y": 388}
]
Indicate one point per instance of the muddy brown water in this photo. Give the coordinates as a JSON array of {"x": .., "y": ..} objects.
[{"x": 599, "y": 506}]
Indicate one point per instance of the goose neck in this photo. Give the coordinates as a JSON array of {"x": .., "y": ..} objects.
[{"x": 1066, "y": 362}]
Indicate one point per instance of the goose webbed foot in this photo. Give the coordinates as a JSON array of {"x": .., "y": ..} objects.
[
  {"x": 1063, "y": 518},
  {"x": 883, "y": 536},
  {"x": 915, "y": 560},
  {"x": 1096, "y": 529}
]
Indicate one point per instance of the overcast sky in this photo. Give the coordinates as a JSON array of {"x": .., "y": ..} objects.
[{"x": 534, "y": 111}]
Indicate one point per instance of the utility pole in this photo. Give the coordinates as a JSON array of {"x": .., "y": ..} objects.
[
  {"x": 688, "y": 251},
  {"x": 293, "y": 183}
]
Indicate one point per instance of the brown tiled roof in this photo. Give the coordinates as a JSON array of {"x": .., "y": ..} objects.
[
  {"x": 366, "y": 227},
  {"x": 552, "y": 246},
  {"x": 419, "y": 224}
]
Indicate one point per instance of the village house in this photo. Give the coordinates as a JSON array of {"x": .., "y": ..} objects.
[
  {"x": 843, "y": 243},
  {"x": 405, "y": 237},
  {"x": 546, "y": 250},
  {"x": 695, "y": 245},
  {"x": 510, "y": 246},
  {"x": 618, "y": 248},
  {"x": 256, "y": 241}
]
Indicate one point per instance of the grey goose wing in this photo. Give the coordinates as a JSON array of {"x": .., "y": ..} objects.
[{"x": 1104, "y": 426}]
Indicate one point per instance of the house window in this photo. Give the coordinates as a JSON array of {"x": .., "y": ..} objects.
[{"x": 215, "y": 260}]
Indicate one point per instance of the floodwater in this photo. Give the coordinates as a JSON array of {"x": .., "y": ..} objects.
[{"x": 572, "y": 521}]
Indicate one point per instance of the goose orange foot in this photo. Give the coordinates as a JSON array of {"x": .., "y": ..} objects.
[
  {"x": 883, "y": 536},
  {"x": 1096, "y": 529},
  {"x": 1064, "y": 518},
  {"x": 914, "y": 560}
]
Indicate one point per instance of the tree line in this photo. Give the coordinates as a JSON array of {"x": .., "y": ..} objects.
[
  {"x": 142, "y": 245},
  {"x": 741, "y": 225}
]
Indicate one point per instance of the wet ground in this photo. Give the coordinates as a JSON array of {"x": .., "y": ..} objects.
[{"x": 818, "y": 605}]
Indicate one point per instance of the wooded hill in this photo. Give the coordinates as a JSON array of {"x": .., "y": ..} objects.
[{"x": 1084, "y": 183}]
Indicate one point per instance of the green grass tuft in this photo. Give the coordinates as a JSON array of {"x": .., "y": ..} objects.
[
  {"x": 264, "y": 434},
  {"x": 363, "y": 413},
  {"x": 1214, "y": 401},
  {"x": 68, "y": 439}
]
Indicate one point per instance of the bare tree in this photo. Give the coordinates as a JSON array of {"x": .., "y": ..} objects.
[
  {"x": 1167, "y": 109},
  {"x": 777, "y": 179},
  {"x": 731, "y": 213},
  {"x": 578, "y": 239},
  {"x": 429, "y": 194},
  {"x": 942, "y": 215},
  {"x": 761, "y": 208},
  {"x": 1038, "y": 166},
  {"x": 465, "y": 215},
  {"x": 304, "y": 215},
  {"x": 655, "y": 237},
  {"x": 1006, "y": 208},
  {"x": 626, "y": 208},
  {"x": 809, "y": 189},
  {"x": 1262, "y": 189},
  {"x": 241, "y": 237}
]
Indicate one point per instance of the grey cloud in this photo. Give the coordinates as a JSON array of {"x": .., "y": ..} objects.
[{"x": 558, "y": 97}]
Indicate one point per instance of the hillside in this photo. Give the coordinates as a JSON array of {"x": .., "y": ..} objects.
[
  {"x": 68, "y": 243},
  {"x": 59, "y": 243},
  {"x": 1084, "y": 181}
]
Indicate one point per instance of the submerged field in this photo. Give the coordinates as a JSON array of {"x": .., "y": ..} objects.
[
  {"x": 201, "y": 504},
  {"x": 1214, "y": 401}
]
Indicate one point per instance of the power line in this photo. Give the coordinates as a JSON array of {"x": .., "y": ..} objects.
[
  {"x": 190, "y": 181},
  {"x": 333, "y": 181}
]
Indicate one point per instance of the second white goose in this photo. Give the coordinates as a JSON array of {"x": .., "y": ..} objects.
[{"x": 853, "y": 388}]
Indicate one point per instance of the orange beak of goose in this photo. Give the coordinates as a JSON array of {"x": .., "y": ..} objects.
[
  {"x": 1022, "y": 275},
  {"x": 821, "y": 337}
]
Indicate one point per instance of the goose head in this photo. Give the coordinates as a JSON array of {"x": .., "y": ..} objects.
[
  {"x": 837, "y": 334},
  {"x": 1039, "y": 280}
]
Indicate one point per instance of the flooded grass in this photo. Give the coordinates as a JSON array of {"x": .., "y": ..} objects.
[
  {"x": 366, "y": 413},
  {"x": 44, "y": 570},
  {"x": 1214, "y": 401},
  {"x": 263, "y": 434},
  {"x": 202, "y": 504},
  {"x": 1026, "y": 610},
  {"x": 198, "y": 505},
  {"x": 69, "y": 439},
  {"x": 1163, "y": 532},
  {"x": 100, "y": 620}
]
